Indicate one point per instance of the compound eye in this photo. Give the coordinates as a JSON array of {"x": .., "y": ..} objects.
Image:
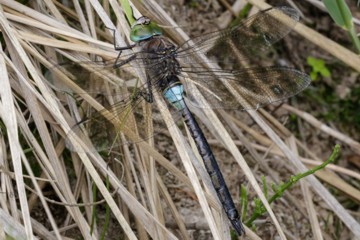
[{"x": 145, "y": 31}]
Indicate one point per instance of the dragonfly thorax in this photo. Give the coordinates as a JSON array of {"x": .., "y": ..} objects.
[{"x": 160, "y": 59}]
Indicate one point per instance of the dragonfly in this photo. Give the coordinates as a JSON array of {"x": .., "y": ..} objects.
[{"x": 177, "y": 73}]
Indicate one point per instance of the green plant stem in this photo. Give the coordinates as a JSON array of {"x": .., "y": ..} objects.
[
  {"x": 349, "y": 25},
  {"x": 341, "y": 14},
  {"x": 266, "y": 192},
  {"x": 244, "y": 202},
  {"x": 293, "y": 179},
  {"x": 128, "y": 11},
  {"x": 354, "y": 38}
]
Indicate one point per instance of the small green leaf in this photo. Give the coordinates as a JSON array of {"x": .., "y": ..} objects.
[
  {"x": 258, "y": 205},
  {"x": 325, "y": 72},
  {"x": 313, "y": 76},
  {"x": 311, "y": 61},
  {"x": 318, "y": 67},
  {"x": 317, "y": 64}
]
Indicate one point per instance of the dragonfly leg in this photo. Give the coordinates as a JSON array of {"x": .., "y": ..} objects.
[
  {"x": 147, "y": 96},
  {"x": 120, "y": 49},
  {"x": 117, "y": 48},
  {"x": 118, "y": 64}
]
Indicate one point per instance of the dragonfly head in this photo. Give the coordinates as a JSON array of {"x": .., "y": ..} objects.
[{"x": 144, "y": 29}]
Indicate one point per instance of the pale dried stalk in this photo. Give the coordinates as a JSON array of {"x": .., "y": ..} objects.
[{"x": 355, "y": 146}]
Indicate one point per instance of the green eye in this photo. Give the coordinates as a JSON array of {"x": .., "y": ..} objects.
[{"x": 144, "y": 31}]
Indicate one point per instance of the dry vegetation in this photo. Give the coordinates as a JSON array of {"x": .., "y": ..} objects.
[{"x": 151, "y": 190}]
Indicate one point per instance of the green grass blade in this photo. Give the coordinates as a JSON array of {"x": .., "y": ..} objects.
[
  {"x": 341, "y": 14},
  {"x": 128, "y": 11}
]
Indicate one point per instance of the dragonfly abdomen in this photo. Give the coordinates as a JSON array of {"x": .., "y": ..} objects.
[
  {"x": 174, "y": 95},
  {"x": 213, "y": 170}
]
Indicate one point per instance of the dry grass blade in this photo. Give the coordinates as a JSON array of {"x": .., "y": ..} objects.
[
  {"x": 11, "y": 226},
  {"x": 49, "y": 148},
  {"x": 323, "y": 127},
  {"x": 38, "y": 114},
  {"x": 9, "y": 117},
  {"x": 132, "y": 203}
]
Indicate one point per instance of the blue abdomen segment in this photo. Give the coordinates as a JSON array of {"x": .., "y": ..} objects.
[{"x": 174, "y": 95}]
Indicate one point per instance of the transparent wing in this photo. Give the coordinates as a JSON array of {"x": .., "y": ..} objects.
[
  {"x": 256, "y": 86},
  {"x": 95, "y": 77},
  {"x": 137, "y": 120},
  {"x": 131, "y": 114},
  {"x": 250, "y": 37}
]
